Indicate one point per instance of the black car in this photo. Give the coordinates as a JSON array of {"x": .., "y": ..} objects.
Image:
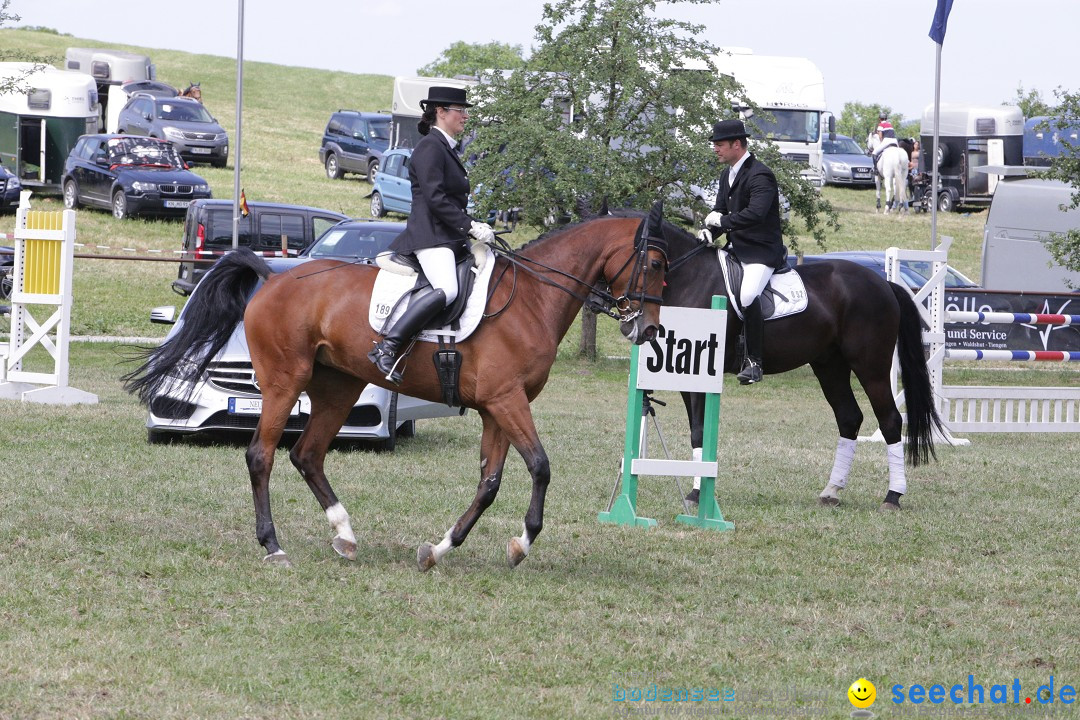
[
  {"x": 130, "y": 175},
  {"x": 10, "y": 188},
  {"x": 354, "y": 142}
]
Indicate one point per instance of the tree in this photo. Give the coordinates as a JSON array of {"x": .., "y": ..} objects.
[
  {"x": 613, "y": 109},
  {"x": 472, "y": 59},
  {"x": 15, "y": 83},
  {"x": 1031, "y": 104},
  {"x": 858, "y": 121},
  {"x": 1065, "y": 247}
]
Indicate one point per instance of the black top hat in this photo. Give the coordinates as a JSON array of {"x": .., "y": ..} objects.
[
  {"x": 728, "y": 130},
  {"x": 440, "y": 95}
]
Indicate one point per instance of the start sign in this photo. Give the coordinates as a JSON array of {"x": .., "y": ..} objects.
[{"x": 687, "y": 353}]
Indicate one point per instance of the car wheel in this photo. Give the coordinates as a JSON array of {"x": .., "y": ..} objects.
[
  {"x": 390, "y": 442},
  {"x": 333, "y": 170},
  {"x": 407, "y": 429},
  {"x": 120, "y": 205},
  {"x": 377, "y": 208},
  {"x": 71, "y": 195},
  {"x": 946, "y": 202},
  {"x": 218, "y": 163},
  {"x": 372, "y": 169},
  {"x": 6, "y": 283}
]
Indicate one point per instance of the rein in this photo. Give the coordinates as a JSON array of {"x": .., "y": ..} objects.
[{"x": 610, "y": 303}]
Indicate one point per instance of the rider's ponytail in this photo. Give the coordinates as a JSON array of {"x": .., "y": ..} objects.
[{"x": 427, "y": 119}]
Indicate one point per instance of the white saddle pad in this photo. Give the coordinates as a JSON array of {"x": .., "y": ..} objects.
[
  {"x": 790, "y": 297},
  {"x": 390, "y": 286}
]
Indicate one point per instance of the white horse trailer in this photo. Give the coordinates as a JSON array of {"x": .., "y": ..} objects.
[
  {"x": 971, "y": 137},
  {"x": 405, "y": 111},
  {"x": 38, "y": 128},
  {"x": 110, "y": 69}
]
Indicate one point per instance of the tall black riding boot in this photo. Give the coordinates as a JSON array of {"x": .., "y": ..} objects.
[
  {"x": 754, "y": 335},
  {"x": 422, "y": 309}
]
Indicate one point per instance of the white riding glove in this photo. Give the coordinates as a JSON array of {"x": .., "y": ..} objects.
[
  {"x": 705, "y": 237},
  {"x": 482, "y": 232},
  {"x": 713, "y": 219},
  {"x": 484, "y": 236}
]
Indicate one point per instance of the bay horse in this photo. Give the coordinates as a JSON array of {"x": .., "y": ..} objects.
[
  {"x": 193, "y": 91},
  {"x": 853, "y": 320},
  {"x": 304, "y": 335}
]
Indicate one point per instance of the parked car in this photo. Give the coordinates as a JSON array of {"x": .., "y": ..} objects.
[
  {"x": 845, "y": 163},
  {"x": 391, "y": 190},
  {"x": 914, "y": 273},
  {"x": 182, "y": 121},
  {"x": 227, "y": 397},
  {"x": 7, "y": 264},
  {"x": 129, "y": 175},
  {"x": 10, "y": 187},
  {"x": 354, "y": 142},
  {"x": 270, "y": 229}
]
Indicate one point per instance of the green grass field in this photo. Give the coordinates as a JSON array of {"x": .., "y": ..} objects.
[{"x": 131, "y": 584}]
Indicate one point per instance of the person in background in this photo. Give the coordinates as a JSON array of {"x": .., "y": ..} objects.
[
  {"x": 748, "y": 210},
  {"x": 438, "y": 229}
]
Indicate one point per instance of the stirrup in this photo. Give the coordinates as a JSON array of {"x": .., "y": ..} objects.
[
  {"x": 394, "y": 375},
  {"x": 750, "y": 374}
]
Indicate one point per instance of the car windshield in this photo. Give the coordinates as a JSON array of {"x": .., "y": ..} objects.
[
  {"x": 356, "y": 242},
  {"x": 841, "y": 146},
  {"x": 142, "y": 151},
  {"x": 953, "y": 278},
  {"x": 791, "y": 125},
  {"x": 183, "y": 112},
  {"x": 380, "y": 129}
]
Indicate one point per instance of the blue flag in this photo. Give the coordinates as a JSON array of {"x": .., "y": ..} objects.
[{"x": 941, "y": 19}]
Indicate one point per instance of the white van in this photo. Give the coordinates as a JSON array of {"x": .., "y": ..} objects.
[{"x": 1023, "y": 213}]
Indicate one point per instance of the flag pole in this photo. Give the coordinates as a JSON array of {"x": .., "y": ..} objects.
[
  {"x": 239, "y": 114},
  {"x": 934, "y": 187}
]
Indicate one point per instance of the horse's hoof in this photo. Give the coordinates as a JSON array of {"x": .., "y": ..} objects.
[
  {"x": 829, "y": 501},
  {"x": 345, "y": 548},
  {"x": 887, "y": 507},
  {"x": 425, "y": 557},
  {"x": 515, "y": 553},
  {"x": 278, "y": 558}
]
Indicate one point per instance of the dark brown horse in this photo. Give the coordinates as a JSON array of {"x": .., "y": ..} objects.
[
  {"x": 193, "y": 91},
  {"x": 853, "y": 321},
  {"x": 304, "y": 335}
]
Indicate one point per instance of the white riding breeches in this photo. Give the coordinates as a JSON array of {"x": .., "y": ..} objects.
[
  {"x": 441, "y": 270},
  {"x": 755, "y": 278}
]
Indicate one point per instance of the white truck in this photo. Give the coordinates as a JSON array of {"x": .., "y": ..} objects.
[{"x": 792, "y": 91}]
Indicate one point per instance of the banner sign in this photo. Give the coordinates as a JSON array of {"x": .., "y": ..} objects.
[
  {"x": 687, "y": 353},
  {"x": 1011, "y": 336}
]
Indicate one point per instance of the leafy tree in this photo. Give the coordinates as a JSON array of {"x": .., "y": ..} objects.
[
  {"x": 613, "y": 109},
  {"x": 16, "y": 83},
  {"x": 463, "y": 58},
  {"x": 1065, "y": 247},
  {"x": 858, "y": 121},
  {"x": 1031, "y": 104}
]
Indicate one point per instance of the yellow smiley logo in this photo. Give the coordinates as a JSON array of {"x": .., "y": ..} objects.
[{"x": 862, "y": 693}]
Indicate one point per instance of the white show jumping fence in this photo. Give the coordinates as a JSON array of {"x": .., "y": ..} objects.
[
  {"x": 969, "y": 409},
  {"x": 44, "y": 258}
]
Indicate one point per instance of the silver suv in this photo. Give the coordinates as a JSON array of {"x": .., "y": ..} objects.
[{"x": 182, "y": 121}]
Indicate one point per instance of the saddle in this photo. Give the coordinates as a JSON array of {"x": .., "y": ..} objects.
[
  {"x": 784, "y": 295},
  {"x": 408, "y": 266}
]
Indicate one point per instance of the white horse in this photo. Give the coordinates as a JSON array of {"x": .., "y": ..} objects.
[{"x": 891, "y": 171}]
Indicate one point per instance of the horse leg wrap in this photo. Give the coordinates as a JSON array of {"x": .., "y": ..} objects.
[
  {"x": 845, "y": 454},
  {"x": 897, "y": 476},
  {"x": 448, "y": 366},
  {"x": 697, "y": 458}
]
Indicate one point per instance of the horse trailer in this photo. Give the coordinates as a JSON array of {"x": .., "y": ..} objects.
[
  {"x": 38, "y": 128},
  {"x": 405, "y": 111},
  {"x": 110, "y": 69},
  {"x": 971, "y": 137}
]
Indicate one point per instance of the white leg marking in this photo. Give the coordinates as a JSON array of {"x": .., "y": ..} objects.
[
  {"x": 339, "y": 520},
  {"x": 443, "y": 547},
  {"x": 897, "y": 476},
  {"x": 697, "y": 458},
  {"x": 524, "y": 540}
]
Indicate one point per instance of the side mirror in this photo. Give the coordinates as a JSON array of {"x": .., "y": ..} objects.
[
  {"x": 163, "y": 315},
  {"x": 101, "y": 160}
]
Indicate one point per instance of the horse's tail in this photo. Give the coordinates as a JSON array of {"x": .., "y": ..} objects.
[
  {"x": 922, "y": 417},
  {"x": 210, "y": 318}
]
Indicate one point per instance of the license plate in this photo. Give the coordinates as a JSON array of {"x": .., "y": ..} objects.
[
  {"x": 253, "y": 406},
  {"x": 177, "y": 203},
  {"x": 201, "y": 151}
]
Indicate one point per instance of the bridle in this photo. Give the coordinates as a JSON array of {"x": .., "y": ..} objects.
[{"x": 624, "y": 308}]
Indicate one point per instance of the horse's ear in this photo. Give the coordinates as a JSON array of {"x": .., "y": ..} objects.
[{"x": 655, "y": 227}]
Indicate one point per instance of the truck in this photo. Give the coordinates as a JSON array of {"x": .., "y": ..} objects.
[
  {"x": 790, "y": 92},
  {"x": 110, "y": 69},
  {"x": 1043, "y": 139},
  {"x": 971, "y": 137},
  {"x": 39, "y": 128},
  {"x": 405, "y": 109}
]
